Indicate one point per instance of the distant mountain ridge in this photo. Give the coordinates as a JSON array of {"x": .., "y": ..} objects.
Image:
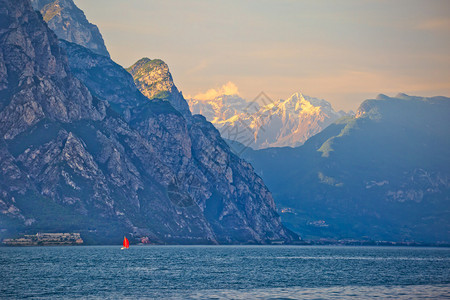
[
  {"x": 381, "y": 175},
  {"x": 279, "y": 123}
]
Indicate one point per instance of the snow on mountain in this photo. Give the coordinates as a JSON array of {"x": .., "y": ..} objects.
[{"x": 281, "y": 123}]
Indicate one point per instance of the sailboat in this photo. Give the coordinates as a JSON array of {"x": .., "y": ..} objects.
[{"x": 126, "y": 243}]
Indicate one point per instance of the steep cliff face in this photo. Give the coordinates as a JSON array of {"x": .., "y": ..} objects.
[
  {"x": 33, "y": 70},
  {"x": 153, "y": 79},
  {"x": 70, "y": 24},
  {"x": 98, "y": 157},
  {"x": 37, "y": 90},
  {"x": 104, "y": 78}
]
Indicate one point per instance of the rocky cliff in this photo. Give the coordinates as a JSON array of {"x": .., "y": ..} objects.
[
  {"x": 82, "y": 150},
  {"x": 70, "y": 24},
  {"x": 153, "y": 79}
]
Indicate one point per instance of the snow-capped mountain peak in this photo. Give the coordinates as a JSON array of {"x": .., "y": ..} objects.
[{"x": 288, "y": 122}]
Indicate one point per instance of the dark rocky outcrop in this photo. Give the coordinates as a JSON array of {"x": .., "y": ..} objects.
[{"x": 82, "y": 150}]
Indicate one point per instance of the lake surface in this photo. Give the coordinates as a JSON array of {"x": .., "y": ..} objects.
[{"x": 225, "y": 272}]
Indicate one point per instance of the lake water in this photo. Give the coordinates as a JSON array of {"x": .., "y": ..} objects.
[{"x": 225, "y": 272}]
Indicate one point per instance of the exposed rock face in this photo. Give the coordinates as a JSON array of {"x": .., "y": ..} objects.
[
  {"x": 382, "y": 175},
  {"x": 98, "y": 157},
  {"x": 153, "y": 79},
  {"x": 33, "y": 72},
  {"x": 104, "y": 78},
  {"x": 70, "y": 24},
  {"x": 268, "y": 124}
]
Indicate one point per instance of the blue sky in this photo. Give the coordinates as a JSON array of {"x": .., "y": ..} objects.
[{"x": 342, "y": 51}]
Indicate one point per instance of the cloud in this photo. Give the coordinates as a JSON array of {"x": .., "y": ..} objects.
[
  {"x": 435, "y": 24},
  {"x": 227, "y": 89}
]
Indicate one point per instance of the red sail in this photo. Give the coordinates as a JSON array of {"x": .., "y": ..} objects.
[{"x": 126, "y": 243}]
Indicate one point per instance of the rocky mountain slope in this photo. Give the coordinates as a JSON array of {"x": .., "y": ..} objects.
[
  {"x": 70, "y": 24},
  {"x": 383, "y": 174},
  {"x": 279, "y": 123},
  {"x": 153, "y": 79},
  {"x": 82, "y": 150}
]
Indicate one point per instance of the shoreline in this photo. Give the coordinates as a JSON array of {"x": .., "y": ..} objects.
[{"x": 437, "y": 246}]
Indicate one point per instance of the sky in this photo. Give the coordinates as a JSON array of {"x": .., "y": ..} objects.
[{"x": 340, "y": 51}]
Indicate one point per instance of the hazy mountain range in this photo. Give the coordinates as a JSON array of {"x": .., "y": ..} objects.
[
  {"x": 88, "y": 146},
  {"x": 83, "y": 150},
  {"x": 381, "y": 175},
  {"x": 264, "y": 123}
]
